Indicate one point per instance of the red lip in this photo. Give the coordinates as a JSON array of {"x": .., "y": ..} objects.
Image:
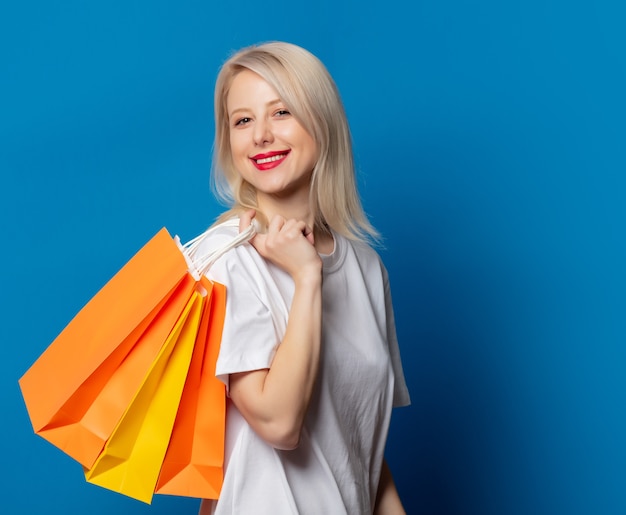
[
  {"x": 269, "y": 164},
  {"x": 269, "y": 154}
]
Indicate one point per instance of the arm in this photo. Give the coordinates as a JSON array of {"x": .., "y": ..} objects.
[
  {"x": 387, "y": 499},
  {"x": 274, "y": 401}
]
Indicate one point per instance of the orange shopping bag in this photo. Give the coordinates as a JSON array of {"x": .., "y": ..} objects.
[
  {"x": 193, "y": 465},
  {"x": 71, "y": 392},
  {"x": 81, "y": 387}
]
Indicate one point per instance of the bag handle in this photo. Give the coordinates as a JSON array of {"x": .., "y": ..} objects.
[
  {"x": 200, "y": 265},
  {"x": 192, "y": 245}
]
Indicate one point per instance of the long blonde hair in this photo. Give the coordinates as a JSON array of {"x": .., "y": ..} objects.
[{"x": 305, "y": 86}]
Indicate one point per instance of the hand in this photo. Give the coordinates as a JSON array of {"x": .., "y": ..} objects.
[{"x": 288, "y": 244}]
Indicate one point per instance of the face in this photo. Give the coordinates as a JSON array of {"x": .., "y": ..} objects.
[{"x": 269, "y": 147}]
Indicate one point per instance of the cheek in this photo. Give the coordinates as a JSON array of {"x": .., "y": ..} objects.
[
  {"x": 236, "y": 147},
  {"x": 313, "y": 151}
]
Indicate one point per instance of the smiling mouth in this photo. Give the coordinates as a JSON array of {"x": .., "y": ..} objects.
[{"x": 271, "y": 159}]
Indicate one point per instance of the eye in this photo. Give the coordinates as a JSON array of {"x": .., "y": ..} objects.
[
  {"x": 282, "y": 113},
  {"x": 241, "y": 121}
]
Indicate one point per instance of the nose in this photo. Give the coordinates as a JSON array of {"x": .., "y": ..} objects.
[{"x": 262, "y": 133}]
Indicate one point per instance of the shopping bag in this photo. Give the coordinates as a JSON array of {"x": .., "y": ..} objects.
[
  {"x": 193, "y": 464},
  {"x": 111, "y": 403},
  {"x": 100, "y": 378},
  {"x": 131, "y": 459},
  {"x": 66, "y": 391}
]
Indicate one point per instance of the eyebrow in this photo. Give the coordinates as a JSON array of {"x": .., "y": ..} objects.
[{"x": 244, "y": 109}]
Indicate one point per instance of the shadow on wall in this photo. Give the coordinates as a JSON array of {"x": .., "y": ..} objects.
[{"x": 459, "y": 302}]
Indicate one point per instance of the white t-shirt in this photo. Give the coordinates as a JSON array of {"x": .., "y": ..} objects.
[{"x": 336, "y": 468}]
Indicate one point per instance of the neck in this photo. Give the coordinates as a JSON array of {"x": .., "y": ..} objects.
[{"x": 296, "y": 207}]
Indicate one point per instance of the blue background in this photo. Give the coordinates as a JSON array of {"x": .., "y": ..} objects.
[{"x": 491, "y": 144}]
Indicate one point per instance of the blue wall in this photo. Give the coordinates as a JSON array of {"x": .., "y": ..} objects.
[{"x": 491, "y": 144}]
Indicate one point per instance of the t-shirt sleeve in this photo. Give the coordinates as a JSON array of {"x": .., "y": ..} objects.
[
  {"x": 401, "y": 395},
  {"x": 249, "y": 337}
]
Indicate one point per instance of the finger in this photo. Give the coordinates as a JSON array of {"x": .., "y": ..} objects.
[
  {"x": 306, "y": 231},
  {"x": 246, "y": 219},
  {"x": 276, "y": 224},
  {"x": 309, "y": 235},
  {"x": 299, "y": 228},
  {"x": 258, "y": 242}
]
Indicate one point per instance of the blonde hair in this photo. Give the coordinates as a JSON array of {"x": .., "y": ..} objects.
[{"x": 311, "y": 95}]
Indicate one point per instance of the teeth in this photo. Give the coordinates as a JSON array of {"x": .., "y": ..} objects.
[{"x": 270, "y": 159}]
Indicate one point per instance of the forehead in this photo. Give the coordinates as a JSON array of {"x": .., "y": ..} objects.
[{"x": 249, "y": 89}]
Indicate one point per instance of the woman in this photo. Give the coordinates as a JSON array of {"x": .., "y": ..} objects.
[{"x": 309, "y": 352}]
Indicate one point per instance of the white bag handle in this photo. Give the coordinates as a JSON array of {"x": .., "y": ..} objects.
[{"x": 199, "y": 265}]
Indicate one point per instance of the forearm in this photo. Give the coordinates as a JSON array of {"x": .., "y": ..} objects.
[
  {"x": 289, "y": 382},
  {"x": 387, "y": 499},
  {"x": 275, "y": 401}
]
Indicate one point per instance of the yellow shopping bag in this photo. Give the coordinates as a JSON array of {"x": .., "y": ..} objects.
[{"x": 131, "y": 460}]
